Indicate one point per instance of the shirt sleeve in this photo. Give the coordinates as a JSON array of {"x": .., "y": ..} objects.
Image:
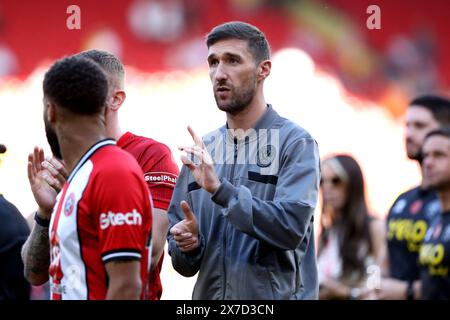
[
  {"x": 161, "y": 177},
  {"x": 123, "y": 213}
]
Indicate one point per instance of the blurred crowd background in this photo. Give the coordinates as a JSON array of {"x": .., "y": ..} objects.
[{"x": 346, "y": 84}]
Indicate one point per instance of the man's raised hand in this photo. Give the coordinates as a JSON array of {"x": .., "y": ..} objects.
[
  {"x": 203, "y": 172},
  {"x": 44, "y": 186}
]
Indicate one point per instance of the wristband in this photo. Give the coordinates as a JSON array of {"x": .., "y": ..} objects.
[{"x": 41, "y": 222}]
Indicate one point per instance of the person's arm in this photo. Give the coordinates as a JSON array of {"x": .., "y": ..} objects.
[
  {"x": 378, "y": 238},
  {"x": 283, "y": 222},
  {"x": 164, "y": 169},
  {"x": 331, "y": 289},
  {"x": 36, "y": 255},
  {"x": 383, "y": 261},
  {"x": 417, "y": 289},
  {"x": 124, "y": 282},
  {"x": 160, "y": 229},
  {"x": 36, "y": 250},
  {"x": 395, "y": 289},
  {"x": 391, "y": 288}
]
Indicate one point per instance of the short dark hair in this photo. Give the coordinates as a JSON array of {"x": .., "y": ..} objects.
[
  {"x": 108, "y": 61},
  {"x": 445, "y": 132},
  {"x": 256, "y": 39},
  {"x": 438, "y": 106},
  {"x": 77, "y": 84}
]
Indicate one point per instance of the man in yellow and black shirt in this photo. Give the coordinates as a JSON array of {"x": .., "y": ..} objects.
[
  {"x": 412, "y": 212},
  {"x": 434, "y": 255}
]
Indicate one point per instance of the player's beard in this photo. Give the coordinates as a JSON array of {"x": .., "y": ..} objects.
[
  {"x": 240, "y": 98},
  {"x": 443, "y": 184},
  {"x": 413, "y": 151},
  {"x": 52, "y": 140}
]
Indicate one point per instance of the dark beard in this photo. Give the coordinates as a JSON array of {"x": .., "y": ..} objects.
[
  {"x": 416, "y": 156},
  {"x": 52, "y": 140},
  {"x": 241, "y": 99},
  {"x": 411, "y": 154}
]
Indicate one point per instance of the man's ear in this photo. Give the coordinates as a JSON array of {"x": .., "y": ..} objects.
[
  {"x": 117, "y": 100},
  {"x": 264, "y": 69},
  {"x": 51, "y": 112}
]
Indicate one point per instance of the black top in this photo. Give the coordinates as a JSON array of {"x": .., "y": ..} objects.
[
  {"x": 435, "y": 260},
  {"x": 13, "y": 233},
  {"x": 407, "y": 223}
]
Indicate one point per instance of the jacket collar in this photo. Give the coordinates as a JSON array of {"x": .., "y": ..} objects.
[{"x": 264, "y": 122}]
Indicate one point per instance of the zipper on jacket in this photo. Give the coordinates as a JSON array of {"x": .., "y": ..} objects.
[
  {"x": 225, "y": 239},
  {"x": 236, "y": 148}
]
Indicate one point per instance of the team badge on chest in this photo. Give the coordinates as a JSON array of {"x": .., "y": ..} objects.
[{"x": 70, "y": 203}]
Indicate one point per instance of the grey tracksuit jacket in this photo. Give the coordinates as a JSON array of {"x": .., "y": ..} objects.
[{"x": 256, "y": 232}]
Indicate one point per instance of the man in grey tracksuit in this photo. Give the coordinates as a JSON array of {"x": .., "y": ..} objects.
[{"x": 242, "y": 211}]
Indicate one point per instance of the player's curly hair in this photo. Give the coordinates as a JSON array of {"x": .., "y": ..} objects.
[{"x": 77, "y": 84}]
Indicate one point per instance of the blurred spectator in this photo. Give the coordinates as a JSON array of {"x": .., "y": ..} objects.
[
  {"x": 13, "y": 233},
  {"x": 246, "y": 5},
  {"x": 350, "y": 240},
  {"x": 435, "y": 251},
  {"x": 8, "y": 62},
  {"x": 156, "y": 20},
  {"x": 410, "y": 61},
  {"x": 188, "y": 54},
  {"x": 412, "y": 212},
  {"x": 105, "y": 39}
]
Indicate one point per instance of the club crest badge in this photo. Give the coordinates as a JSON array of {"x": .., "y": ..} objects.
[
  {"x": 265, "y": 156},
  {"x": 70, "y": 203}
]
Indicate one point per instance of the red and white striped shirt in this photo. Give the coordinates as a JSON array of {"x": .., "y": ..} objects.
[{"x": 102, "y": 214}]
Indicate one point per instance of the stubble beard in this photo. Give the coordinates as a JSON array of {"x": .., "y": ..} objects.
[
  {"x": 240, "y": 99},
  {"x": 52, "y": 140}
]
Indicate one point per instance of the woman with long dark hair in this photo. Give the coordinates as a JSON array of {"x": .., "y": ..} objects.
[{"x": 350, "y": 239}]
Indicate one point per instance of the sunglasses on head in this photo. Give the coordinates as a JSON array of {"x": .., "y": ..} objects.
[{"x": 335, "y": 181}]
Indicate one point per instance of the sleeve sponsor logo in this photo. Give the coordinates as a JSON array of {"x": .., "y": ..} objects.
[
  {"x": 120, "y": 219},
  {"x": 165, "y": 178},
  {"x": 399, "y": 206},
  {"x": 433, "y": 209},
  {"x": 416, "y": 206}
]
